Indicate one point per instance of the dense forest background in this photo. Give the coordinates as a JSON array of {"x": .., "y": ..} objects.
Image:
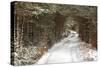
[{"x": 37, "y": 26}]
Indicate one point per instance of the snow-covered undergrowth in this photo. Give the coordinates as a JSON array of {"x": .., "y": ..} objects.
[{"x": 69, "y": 49}]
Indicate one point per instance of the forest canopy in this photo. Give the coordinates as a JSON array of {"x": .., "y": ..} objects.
[{"x": 42, "y": 24}]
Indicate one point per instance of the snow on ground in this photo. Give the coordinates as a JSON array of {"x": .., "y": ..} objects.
[{"x": 68, "y": 50}]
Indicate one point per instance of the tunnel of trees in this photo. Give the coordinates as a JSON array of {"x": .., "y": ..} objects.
[{"x": 38, "y": 26}]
